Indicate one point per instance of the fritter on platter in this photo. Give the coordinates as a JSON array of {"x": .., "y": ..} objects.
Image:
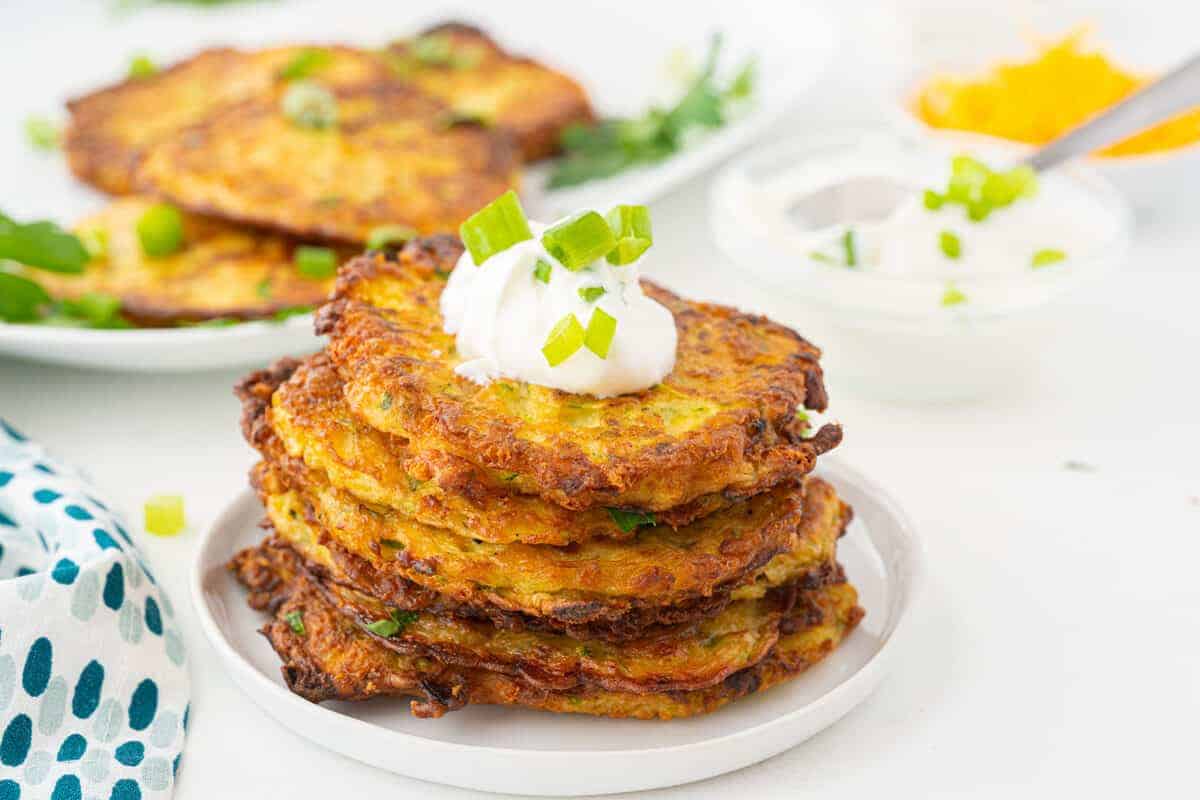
[
  {"x": 460, "y": 65},
  {"x": 327, "y": 656},
  {"x": 382, "y": 156},
  {"x": 725, "y": 419},
  {"x": 597, "y": 579},
  {"x": 297, "y": 409},
  {"x": 220, "y": 271},
  {"x": 111, "y": 128}
]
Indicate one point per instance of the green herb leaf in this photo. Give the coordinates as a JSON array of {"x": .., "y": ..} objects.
[
  {"x": 1046, "y": 257},
  {"x": 43, "y": 245},
  {"x": 305, "y": 63},
  {"x": 396, "y": 622},
  {"x": 950, "y": 244},
  {"x": 21, "y": 300},
  {"x": 42, "y": 133},
  {"x": 94, "y": 309},
  {"x": 295, "y": 621},
  {"x": 630, "y": 520}
]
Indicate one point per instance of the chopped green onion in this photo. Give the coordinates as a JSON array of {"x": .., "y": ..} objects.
[
  {"x": 455, "y": 117},
  {"x": 95, "y": 241},
  {"x": 848, "y": 246},
  {"x": 384, "y": 235},
  {"x": 967, "y": 176},
  {"x": 263, "y": 288},
  {"x": 42, "y": 133},
  {"x": 385, "y": 402},
  {"x": 291, "y": 311},
  {"x": 631, "y": 225},
  {"x": 565, "y": 338},
  {"x": 310, "y": 105},
  {"x": 579, "y": 240},
  {"x": 933, "y": 200},
  {"x": 542, "y": 270},
  {"x": 315, "y": 262},
  {"x": 742, "y": 85},
  {"x": 978, "y": 210},
  {"x": 141, "y": 66},
  {"x": 295, "y": 621},
  {"x": 494, "y": 228},
  {"x": 590, "y": 294},
  {"x": 1043, "y": 258},
  {"x": 600, "y": 330},
  {"x": 396, "y": 622},
  {"x": 438, "y": 50},
  {"x": 21, "y": 300},
  {"x": 395, "y": 544},
  {"x": 950, "y": 244},
  {"x": 164, "y": 515},
  {"x": 43, "y": 245},
  {"x": 160, "y": 230},
  {"x": 952, "y": 296},
  {"x": 628, "y": 521},
  {"x": 824, "y": 258},
  {"x": 305, "y": 63}
]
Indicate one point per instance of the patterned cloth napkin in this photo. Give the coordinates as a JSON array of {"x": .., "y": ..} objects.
[{"x": 93, "y": 679}]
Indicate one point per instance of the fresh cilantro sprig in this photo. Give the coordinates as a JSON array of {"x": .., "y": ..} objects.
[
  {"x": 614, "y": 145},
  {"x": 44, "y": 245}
]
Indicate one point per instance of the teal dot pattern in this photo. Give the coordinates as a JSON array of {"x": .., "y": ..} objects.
[{"x": 93, "y": 670}]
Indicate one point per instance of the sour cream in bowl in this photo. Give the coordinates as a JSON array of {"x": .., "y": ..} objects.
[{"x": 942, "y": 292}]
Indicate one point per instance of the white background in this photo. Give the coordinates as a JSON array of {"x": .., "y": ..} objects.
[{"x": 1056, "y": 650}]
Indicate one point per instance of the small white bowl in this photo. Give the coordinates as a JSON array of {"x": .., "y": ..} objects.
[{"x": 887, "y": 333}]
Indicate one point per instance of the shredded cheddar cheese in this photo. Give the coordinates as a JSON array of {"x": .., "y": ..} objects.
[{"x": 1038, "y": 100}]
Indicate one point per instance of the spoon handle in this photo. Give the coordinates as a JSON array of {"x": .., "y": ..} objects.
[{"x": 1173, "y": 93}]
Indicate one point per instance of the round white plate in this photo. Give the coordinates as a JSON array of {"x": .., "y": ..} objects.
[
  {"x": 529, "y": 752},
  {"x": 620, "y": 54}
]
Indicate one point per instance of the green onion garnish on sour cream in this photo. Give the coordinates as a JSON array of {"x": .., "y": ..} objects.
[{"x": 494, "y": 228}]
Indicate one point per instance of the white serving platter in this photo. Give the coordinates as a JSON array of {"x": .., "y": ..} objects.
[
  {"x": 536, "y": 753},
  {"x": 619, "y": 52}
]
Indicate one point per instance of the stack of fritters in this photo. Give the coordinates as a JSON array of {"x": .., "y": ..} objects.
[
  {"x": 651, "y": 555},
  {"x": 427, "y": 130}
]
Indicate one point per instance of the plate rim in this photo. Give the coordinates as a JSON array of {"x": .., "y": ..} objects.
[{"x": 867, "y": 674}]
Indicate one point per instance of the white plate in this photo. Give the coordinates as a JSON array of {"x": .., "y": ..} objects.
[
  {"x": 529, "y": 752},
  {"x": 618, "y": 52}
]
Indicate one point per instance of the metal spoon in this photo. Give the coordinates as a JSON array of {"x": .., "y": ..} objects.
[{"x": 871, "y": 199}]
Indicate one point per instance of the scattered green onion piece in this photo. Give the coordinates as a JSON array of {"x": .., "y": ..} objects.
[
  {"x": 263, "y": 288},
  {"x": 600, "y": 331},
  {"x": 629, "y": 521},
  {"x": 433, "y": 49},
  {"x": 95, "y": 241},
  {"x": 953, "y": 297},
  {"x": 164, "y": 515},
  {"x": 542, "y": 270},
  {"x": 394, "y": 544},
  {"x": 310, "y": 105},
  {"x": 933, "y": 200},
  {"x": 1022, "y": 181},
  {"x": 21, "y": 300},
  {"x": 396, "y": 622},
  {"x": 284, "y": 314},
  {"x": 849, "y": 247},
  {"x": 305, "y": 63},
  {"x": 160, "y": 230},
  {"x": 295, "y": 621},
  {"x": 385, "y": 402},
  {"x": 824, "y": 258},
  {"x": 1044, "y": 258},
  {"x": 631, "y": 226},
  {"x": 565, "y": 338},
  {"x": 978, "y": 210},
  {"x": 579, "y": 240},
  {"x": 494, "y": 228},
  {"x": 385, "y": 235},
  {"x": 42, "y": 133},
  {"x": 590, "y": 294},
  {"x": 950, "y": 244},
  {"x": 315, "y": 262},
  {"x": 455, "y": 117},
  {"x": 141, "y": 66}
]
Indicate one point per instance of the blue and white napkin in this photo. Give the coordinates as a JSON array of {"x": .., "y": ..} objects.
[{"x": 93, "y": 677}]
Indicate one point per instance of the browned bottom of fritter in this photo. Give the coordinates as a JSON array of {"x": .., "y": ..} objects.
[{"x": 327, "y": 656}]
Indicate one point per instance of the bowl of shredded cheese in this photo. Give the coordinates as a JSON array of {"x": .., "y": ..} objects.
[{"x": 1058, "y": 86}]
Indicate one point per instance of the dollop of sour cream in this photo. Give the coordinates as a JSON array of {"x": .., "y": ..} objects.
[{"x": 501, "y": 314}]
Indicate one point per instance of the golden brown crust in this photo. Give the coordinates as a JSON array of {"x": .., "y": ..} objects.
[
  {"x": 387, "y": 161},
  {"x": 221, "y": 272},
  {"x": 110, "y": 128},
  {"x": 333, "y": 659},
  {"x": 723, "y": 420}
]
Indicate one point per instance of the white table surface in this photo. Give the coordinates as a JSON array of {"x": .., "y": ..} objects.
[{"x": 1056, "y": 649}]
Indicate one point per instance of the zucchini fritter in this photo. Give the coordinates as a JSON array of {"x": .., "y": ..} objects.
[
  {"x": 296, "y": 409},
  {"x": 475, "y": 77},
  {"x": 111, "y": 128},
  {"x": 724, "y": 420},
  {"x": 388, "y": 160},
  {"x": 692, "y": 658},
  {"x": 333, "y": 659},
  {"x": 221, "y": 271}
]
